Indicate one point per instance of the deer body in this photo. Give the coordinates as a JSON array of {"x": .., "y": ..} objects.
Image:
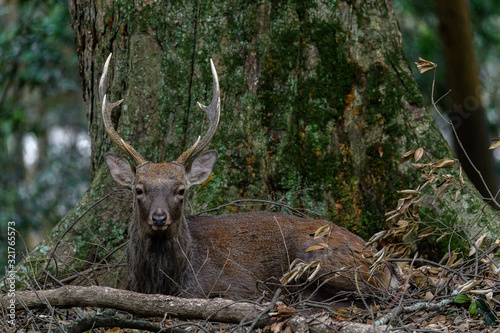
[
  {"x": 224, "y": 256},
  {"x": 207, "y": 256}
]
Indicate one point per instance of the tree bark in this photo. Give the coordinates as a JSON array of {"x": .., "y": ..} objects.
[
  {"x": 318, "y": 105},
  {"x": 467, "y": 112}
]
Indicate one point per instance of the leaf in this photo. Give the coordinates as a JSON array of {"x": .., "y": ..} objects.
[
  {"x": 424, "y": 65},
  {"x": 444, "y": 163},
  {"x": 418, "y": 154},
  {"x": 478, "y": 244},
  {"x": 416, "y": 205},
  {"x": 495, "y": 144},
  {"x": 403, "y": 223},
  {"x": 480, "y": 240},
  {"x": 489, "y": 318},
  {"x": 406, "y": 156},
  {"x": 417, "y": 166},
  {"x": 323, "y": 230},
  {"x": 426, "y": 232},
  {"x": 473, "y": 309},
  {"x": 460, "y": 175},
  {"x": 410, "y": 192},
  {"x": 316, "y": 271},
  {"x": 376, "y": 237},
  {"x": 318, "y": 246},
  {"x": 485, "y": 311},
  {"x": 481, "y": 304},
  {"x": 461, "y": 299}
]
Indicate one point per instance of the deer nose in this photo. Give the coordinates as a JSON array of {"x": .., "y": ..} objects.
[{"x": 159, "y": 218}]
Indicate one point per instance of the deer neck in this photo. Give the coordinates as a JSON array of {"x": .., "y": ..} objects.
[{"x": 159, "y": 263}]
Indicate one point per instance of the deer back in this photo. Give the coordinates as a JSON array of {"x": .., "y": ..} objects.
[{"x": 235, "y": 251}]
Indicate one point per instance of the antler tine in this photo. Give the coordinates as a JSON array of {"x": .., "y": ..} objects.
[
  {"x": 106, "y": 116},
  {"x": 213, "y": 114}
]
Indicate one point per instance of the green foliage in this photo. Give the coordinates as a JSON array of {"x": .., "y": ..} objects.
[
  {"x": 40, "y": 103},
  {"x": 478, "y": 307}
]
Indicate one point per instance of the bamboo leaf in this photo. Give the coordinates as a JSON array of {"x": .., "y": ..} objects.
[
  {"x": 406, "y": 156},
  {"x": 316, "y": 247},
  {"x": 323, "y": 230},
  {"x": 496, "y": 143},
  {"x": 418, "y": 154},
  {"x": 424, "y": 65},
  {"x": 444, "y": 163}
]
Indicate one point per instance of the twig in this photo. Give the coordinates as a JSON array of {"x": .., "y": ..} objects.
[
  {"x": 263, "y": 202},
  {"x": 266, "y": 310},
  {"x": 108, "y": 319}
]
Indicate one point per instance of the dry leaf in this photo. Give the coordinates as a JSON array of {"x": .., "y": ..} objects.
[
  {"x": 316, "y": 271},
  {"x": 406, "y": 156},
  {"x": 376, "y": 237},
  {"x": 447, "y": 260},
  {"x": 457, "y": 264},
  {"x": 323, "y": 230},
  {"x": 403, "y": 223},
  {"x": 444, "y": 163},
  {"x": 410, "y": 192},
  {"x": 417, "y": 166},
  {"x": 496, "y": 143},
  {"x": 318, "y": 246},
  {"x": 418, "y": 154},
  {"x": 428, "y": 296},
  {"x": 478, "y": 244},
  {"x": 424, "y": 65},
  {"x": 416, "y": 205},
  {"x": 409, "y": 233},
  {"x": 114, "y": 330},
  {"x": 426, "y": 232}
]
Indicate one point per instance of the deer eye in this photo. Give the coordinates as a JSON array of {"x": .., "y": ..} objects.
[
  {"x": 139, "y": 191},
  {"x": 181, "y": 192}
]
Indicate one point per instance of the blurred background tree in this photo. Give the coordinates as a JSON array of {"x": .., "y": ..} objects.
[
  {"x": 45, "y": 149},
  {"x": 43, "y": 133},
  {"x": 462, "y": 38}
]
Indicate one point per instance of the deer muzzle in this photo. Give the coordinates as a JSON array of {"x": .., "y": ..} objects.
[{"x": 159, "y": 220}]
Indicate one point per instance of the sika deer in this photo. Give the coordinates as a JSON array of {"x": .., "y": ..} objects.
[{"x": 206, "y": 256}]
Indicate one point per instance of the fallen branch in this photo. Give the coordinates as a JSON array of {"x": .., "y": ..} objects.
[
  {"x": 145, "y": 305},
  {"x": 108, "y": 319},
  {"x": 414, "y": 308}
]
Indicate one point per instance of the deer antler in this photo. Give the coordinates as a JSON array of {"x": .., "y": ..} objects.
[
  {"x": 213, "y": 113},
  {"x": 106, "y": 115}
]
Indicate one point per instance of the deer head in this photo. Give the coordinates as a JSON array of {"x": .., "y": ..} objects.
[{"x": 159, "y": 188}]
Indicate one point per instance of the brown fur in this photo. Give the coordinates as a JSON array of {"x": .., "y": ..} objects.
[{"x": 225, "y": 255}]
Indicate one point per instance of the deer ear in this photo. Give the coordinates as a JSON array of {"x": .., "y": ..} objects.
[
  {"x": 201, "y": 168},
  {"x": 121, "y": 170}
]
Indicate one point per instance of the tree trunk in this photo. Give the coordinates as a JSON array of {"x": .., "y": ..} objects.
[
  {"x": 318, "y": 105},
  {"x": 467, "y": 112}
]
